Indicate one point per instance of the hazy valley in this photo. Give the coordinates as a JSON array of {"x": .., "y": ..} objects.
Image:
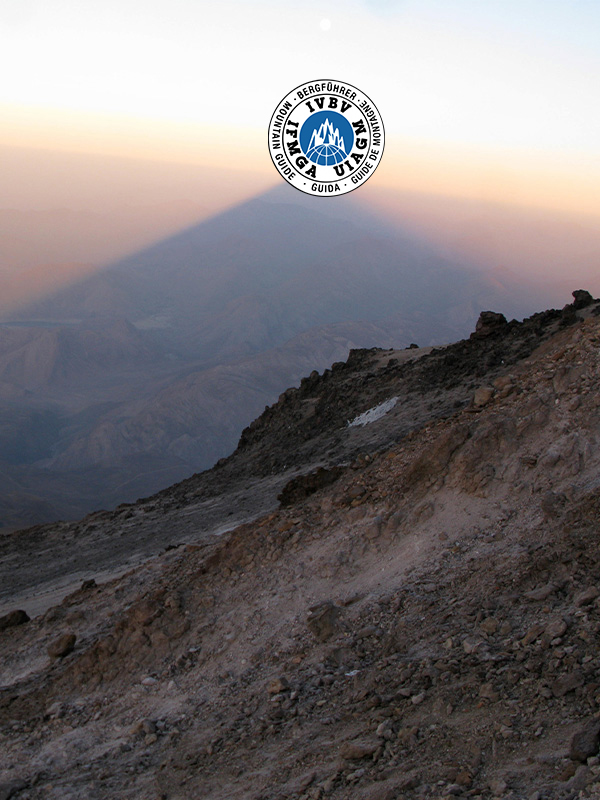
[{"x": 142, "y": 373}]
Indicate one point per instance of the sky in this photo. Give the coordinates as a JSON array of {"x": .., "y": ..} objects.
[{"x": 491, "y": 100}]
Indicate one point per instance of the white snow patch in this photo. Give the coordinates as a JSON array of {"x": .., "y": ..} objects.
[{"x": 375, "y": 413}]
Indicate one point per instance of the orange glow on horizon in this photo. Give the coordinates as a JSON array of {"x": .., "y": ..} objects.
[
  {"x": 124, "y": 136},
  {"x": 127, "y": 182},
  {"x": 521, "y": 178},
  {"x": 549, "y": 180}
]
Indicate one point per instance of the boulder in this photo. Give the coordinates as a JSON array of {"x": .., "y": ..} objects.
[
  {"x": 582, "y": 298},
  {"x": 62, "y": 646},
  {"x": 13, "y": 618},
  {"x": 489, "y": 322},
  {"x": 585, "y": 742},
  {"x": 482, "y": 396}
]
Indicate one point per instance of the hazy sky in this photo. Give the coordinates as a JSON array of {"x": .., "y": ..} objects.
[
  {"x": 491, "y": 100},
  {"x": 504, "y": 73},
  {"x": 179, "y": 78}
]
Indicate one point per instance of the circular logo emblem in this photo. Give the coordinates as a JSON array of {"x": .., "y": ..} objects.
[{"x": 326, "y": 137}]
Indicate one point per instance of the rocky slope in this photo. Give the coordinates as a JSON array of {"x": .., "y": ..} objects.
[{"x": 416, "y": 619}]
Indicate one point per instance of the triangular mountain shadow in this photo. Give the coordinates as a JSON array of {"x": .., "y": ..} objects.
[
  {"x": 283, "y": 256},
  {"x": 149, "y": 370}
]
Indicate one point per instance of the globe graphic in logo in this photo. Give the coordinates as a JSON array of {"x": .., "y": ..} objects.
[{"x": 326, "y": 138}]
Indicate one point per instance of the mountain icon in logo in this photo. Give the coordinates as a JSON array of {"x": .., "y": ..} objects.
[
  {"x": 326, "y": 138},
  {"x": 326, "y": 145}
]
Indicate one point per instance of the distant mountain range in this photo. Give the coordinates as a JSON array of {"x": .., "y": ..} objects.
[{"x": 145, "y": 372}]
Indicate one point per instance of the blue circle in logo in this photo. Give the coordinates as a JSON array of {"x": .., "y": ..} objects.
[{"x": 326, "y": 138}]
